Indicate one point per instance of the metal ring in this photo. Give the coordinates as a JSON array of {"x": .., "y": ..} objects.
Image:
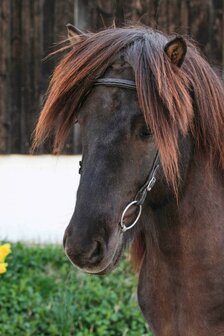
[{"x": 123, "y": 226}]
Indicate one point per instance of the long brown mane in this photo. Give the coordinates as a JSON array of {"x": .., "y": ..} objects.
[
  {"x": 173, "y": 100},
  {"x": 164, "y": 92}
]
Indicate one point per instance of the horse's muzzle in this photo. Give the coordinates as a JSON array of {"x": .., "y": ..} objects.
[{"x": 84, "y": 256}]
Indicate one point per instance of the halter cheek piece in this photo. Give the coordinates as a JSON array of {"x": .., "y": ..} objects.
[
  {"x": 151, "y": 180},
  {"x": 141, "y": 195}
]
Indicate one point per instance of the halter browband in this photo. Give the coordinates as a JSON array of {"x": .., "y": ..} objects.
[
  {"x": 122, "y": 83},
  {"x": 148, "y": 185}
]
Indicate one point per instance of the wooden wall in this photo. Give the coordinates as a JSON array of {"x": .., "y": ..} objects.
[
  {"x": 201, "y": 19},
  {"x": 28, "y": 31},
  {"x": 30, "y": 28}
]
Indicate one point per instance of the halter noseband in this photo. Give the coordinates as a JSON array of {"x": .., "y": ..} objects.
[{"x": 151, "y": 180}]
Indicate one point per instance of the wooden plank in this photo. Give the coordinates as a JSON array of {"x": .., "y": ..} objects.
[
  {"x": 29, "y": 29},
  {"x": 63, "y": 15},
  {"x": 199, "y": 24},
  {"x": 184, "y": 17},
  {"x": 47, "y": 67},
  {"x": 217, "y": 35},
  {"x": 4, "y": 75},
  {"x": 37, "y": 57},
  {"x": 26, "y": 76},
  {"x": 15, "y": 77}
]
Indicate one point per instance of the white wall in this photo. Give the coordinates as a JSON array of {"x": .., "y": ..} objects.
[{"x": 37, "y": 196}]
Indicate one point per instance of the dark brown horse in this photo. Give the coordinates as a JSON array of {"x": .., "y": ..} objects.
[{"x": 135, "y": 91}]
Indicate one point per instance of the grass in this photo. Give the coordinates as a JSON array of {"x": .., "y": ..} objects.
[{"x": 42, "y": 294}]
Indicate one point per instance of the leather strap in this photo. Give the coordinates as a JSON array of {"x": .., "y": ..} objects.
[
  {"x": 147, "y": 186},
  {"x": 122, "y": 83}
]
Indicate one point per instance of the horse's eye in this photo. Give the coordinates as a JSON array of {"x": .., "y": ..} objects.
[
  {"x": 145, "y": 133},
  {"x": 80, "y": 167}
]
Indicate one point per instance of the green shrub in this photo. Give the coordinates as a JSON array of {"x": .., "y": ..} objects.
[{"x": 42, "y": 294}]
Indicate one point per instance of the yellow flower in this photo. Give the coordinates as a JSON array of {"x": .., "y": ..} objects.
[
  {"x": 5, "y": 250},
  {"x": 3, "y": 267}
]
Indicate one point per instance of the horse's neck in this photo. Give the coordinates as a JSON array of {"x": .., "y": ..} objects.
[
  {"x": 183, "y": 274},
  {"x": 200, "y": 211}
]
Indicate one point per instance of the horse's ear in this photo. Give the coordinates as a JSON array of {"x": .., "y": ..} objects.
[
  {"x": 176, "y": 50},
  {"x": 74, "y": 33}
]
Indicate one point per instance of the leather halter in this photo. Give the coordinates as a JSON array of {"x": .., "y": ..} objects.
[{"x": 151, "y": 180}]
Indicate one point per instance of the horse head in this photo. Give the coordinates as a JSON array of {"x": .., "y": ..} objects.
[{"x": 118, "y": 153}]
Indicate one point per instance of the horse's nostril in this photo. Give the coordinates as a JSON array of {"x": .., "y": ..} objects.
[
  {"x": 89, "y": 254},
  {"x": 97, "y": 252}
]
